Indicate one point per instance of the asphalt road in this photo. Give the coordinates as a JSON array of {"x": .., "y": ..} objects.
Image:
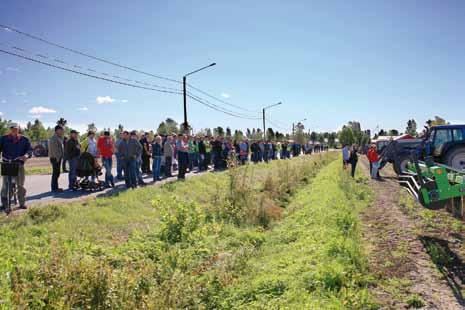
[{"x": 39, "y": 189}]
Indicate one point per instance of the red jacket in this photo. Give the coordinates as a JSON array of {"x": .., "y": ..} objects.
[
  {"x": 105, "y": 146},
  {"x": 372, "y": 155}
]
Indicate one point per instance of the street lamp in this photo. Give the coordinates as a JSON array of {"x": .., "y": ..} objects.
[
  {"x": 293, "y": 131},
  {"x": 264, "y": 126},
  {"x": 185, "y": 125}
]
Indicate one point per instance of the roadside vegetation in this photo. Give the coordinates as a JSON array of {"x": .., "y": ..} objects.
[{"x": 175, "y": 246}]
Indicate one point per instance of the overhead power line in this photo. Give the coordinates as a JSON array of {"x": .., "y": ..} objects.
[
  {"x": 220, "y": 109},
  {"x": 86, "y": 74},
  {"x": 118, "y": 65},
  {"x": 221, "y": 100},
  {"x": 86, "y": 54}
]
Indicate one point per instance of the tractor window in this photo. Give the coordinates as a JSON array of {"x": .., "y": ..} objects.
[
  {"x": 442, "y": 136},
  {"x": 458, "y": 134}
]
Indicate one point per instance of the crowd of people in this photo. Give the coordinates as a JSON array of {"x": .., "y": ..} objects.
[
  {"x": 350, "y": 157},
  {"x": 158, "y": 156}
]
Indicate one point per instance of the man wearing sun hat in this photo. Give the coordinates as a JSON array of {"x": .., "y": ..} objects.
[{"x": 15, "y": 146}]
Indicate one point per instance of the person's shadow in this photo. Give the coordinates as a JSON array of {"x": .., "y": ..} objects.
[{"x": 449, "y": 264}]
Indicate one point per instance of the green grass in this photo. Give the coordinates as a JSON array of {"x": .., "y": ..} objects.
[
  {"x": 314, "y": 259},
  {"x": 178, "y": 246},
  {"x": 38, "y": 170}
]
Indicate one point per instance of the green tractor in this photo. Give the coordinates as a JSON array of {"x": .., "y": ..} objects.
[{"x": 433, "y": 168}]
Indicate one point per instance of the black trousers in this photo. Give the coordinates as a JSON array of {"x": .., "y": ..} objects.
[
  {"x": 168, "y": 166},
  {"x": 353, "y": 165},
  {"x": 145, "y": 163},
  {"x": 183, "y": 162},
  {"x": 56, "y": 166}
]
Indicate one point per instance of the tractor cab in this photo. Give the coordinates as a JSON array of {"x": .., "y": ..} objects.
[{"x": 446, "y": 144}]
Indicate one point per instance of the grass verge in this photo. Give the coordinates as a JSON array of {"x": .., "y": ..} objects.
[
  {"x": 314, "y": 258},
  {"x": 176, "y": 246},
  {"x": 38, "y": 170}
]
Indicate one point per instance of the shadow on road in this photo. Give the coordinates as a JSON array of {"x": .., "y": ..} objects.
[{"x": 448, "y": 263}]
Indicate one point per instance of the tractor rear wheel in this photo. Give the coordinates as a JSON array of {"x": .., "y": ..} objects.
[{"x": 455, "y": 158}]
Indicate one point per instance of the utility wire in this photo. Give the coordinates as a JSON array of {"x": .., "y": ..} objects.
[
  {"x": 274, "y": 124},
  {"x": 8, "y": 28},
  {"x": 220, "y": 109},
  {"x": 197, "y": 99},
  {"x": 86, "y": 74},
  {"x": 60, "y": 61},
  {"x": 221, "y": 100}
]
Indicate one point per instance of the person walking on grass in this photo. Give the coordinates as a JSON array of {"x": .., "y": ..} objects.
[
  {"x": 157, "y": 155},
  {"x": 353, "y": 159},
  {"x": 15, "y": 146},
  {"x": 106, "y": 148},
  {"x": 345, "y": 156},
  {"x": 72, "y": 152},
  {"x": 373, "y": 158},
  {"x": 56, "y": 153}
]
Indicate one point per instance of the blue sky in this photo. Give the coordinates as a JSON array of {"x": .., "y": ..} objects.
[{"x": 378, "y": 62}]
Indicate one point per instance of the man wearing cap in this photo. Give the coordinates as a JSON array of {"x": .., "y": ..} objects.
[
  {"x": 15, "y": 146},
  {"x": 55, "y": 153},
  {"x": 72, "y": 152}
]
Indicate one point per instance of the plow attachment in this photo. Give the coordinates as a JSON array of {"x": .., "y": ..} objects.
[{"x": 433, "y": 185}]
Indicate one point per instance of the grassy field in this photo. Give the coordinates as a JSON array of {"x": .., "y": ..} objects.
[{"x": 284, "y": 233}]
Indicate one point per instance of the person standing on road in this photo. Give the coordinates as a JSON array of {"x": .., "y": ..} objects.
[
  {"x": 373, "y": 158},
  {"x": 72, "y": 152},
  {"x": 15, "y": 146},
  {"x": 65, "y": 159},
  {"x": 119, "y": 163},
  {"x": 134, "y": 153},
  {"x": 145, "y": 157},
  {"x": 157, "y": 155},
  {"x": 182, "y": 147},
  {"x": 353, "y": 159},
  {"x": 106, "y": 148},
  {"x": 56, "y": 153},
  {"x": 168, "y": 154}
]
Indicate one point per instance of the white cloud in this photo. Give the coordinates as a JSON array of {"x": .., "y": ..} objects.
[
  {"x": 35, "y": 116},
  {"x": 104, "y": 100},
  {"x": 124, "y": 100},
  {"x": 20, "y": 93},
  {"x": 13, "y": 69},
  {"x": 83, "y": 109},
  {"x": 3, "y": 101},
  {"x": 7, "y": 29},
  {"x": 41, "y": 110},
  {"x": 225, "y": 95},
  {"x": 1, "y": 113}
]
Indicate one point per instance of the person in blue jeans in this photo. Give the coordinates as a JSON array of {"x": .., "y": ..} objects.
[
  {"x": 72, "y": 152},
  {"x": 157, "y": 155}
]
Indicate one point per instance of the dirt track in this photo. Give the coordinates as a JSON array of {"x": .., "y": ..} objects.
[{"x": 398, "y": 257}]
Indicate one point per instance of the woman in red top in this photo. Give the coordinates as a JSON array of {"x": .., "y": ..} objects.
[
  {"x": 106, "y": 148},
  {"x": 373, "y": 158}
]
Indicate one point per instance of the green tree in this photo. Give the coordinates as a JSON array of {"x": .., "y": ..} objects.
[
  {"x": 346, "y": 136},
  {"x": 411, "y": 128},
  {"x": 393, "y": 132},
  {"x": 218, "y": 131},
  {"x": 313, "y": 137},
  {"x": 436, "y": 121}
]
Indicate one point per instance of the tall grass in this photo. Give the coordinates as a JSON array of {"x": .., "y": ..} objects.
[
  {"x": 313, "y": 259},
  {"x": 178, "y": 246}
]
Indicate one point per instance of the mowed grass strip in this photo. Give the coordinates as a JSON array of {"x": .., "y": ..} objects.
[
  {"x": 314, "y": 259},
  {"x": 178, "y": 246}
]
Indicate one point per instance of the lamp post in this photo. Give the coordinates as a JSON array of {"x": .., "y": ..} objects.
[
  {"x": 293, "y": 130},
  {"x": 184, "y": 92},
  {"x": 264, "y": 126}
]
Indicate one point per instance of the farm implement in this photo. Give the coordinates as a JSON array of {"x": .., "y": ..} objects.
[
  {"x": 434, "y": 185},
  {"x": 432, "y": 168}
]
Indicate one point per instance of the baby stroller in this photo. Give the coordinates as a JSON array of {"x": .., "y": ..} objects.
[{"x": 88, "y": 170}]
